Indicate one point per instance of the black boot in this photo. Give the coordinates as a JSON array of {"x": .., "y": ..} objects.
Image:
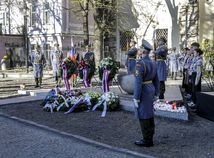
[
  {"x": 37, "y": 82},
  {"x": 147, "y": 128},
  {"x": 56, "y": 80},
  {"x": 40, "y": 82}
]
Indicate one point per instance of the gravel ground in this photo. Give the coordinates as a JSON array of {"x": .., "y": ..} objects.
[{"x": 194, "y": 139}]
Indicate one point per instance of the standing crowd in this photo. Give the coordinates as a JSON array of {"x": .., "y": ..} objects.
[{"x": 151, "y": 71}]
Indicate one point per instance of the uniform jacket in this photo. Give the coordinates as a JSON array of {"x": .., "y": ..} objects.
[{"x": 146, "y": 86}]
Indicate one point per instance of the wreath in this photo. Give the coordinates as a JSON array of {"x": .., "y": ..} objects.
[
  {"x": 111, "y": 65},
  {"x": 70, "y": 65},
  {"x": 91, "y": 68}
]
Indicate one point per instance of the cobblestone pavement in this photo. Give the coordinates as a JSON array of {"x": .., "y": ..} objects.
[{"x": 22, "y": 141}]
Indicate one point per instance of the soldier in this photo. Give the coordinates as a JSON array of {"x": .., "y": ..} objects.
[
  {"x": 38, "y": 60},
  {"x": 131, "y": 59},
  {"x": 56, "y": 60},
  {"x": 161, "y": 54},
  {"x": 145, "y": 90}
]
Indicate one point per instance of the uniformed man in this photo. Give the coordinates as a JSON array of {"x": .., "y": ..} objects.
[
  {"x": 38, "y": 60},
  {"x": 161, "y": 54},
  {"x": 131, "y": 58},
  {"x": 145, "y": 91},
  {"x": 56, "y": 60}
]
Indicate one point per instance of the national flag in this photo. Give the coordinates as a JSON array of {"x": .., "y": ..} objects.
[{"x": 73, "y": 54}]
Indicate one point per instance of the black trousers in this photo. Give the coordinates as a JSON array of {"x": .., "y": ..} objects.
[
  {"x": 162, "y": 89},
  {"x": 147, "y": 129},
  {"x": 195, "y": 88}
]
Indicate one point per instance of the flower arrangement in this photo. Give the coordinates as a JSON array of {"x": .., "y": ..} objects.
[
  {"x": 109, "y": 101},
  {"x": 109, "y": 64},
  {"x": 90, "y": 66},
  {"x": 167, "y": 106},
  {"x": 70, "y": 65}
]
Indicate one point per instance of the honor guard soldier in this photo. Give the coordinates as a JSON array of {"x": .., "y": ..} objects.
[
  {"x": 131, "y": 59},
  {"x": 161, "y": 55},
  {"x": 56, "y": 60},
  {"x": 38, "y": 60},
  {"x": 146, "y": 89}
]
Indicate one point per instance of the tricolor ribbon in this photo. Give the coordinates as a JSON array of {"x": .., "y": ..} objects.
[
  {"x": 65, "y": 102},
  {"x": 104, "y": 102},
  {"x": 105, "y": 81},
  {"x": 74, "y": 106},
  {"x": 51, "y": 105},
  {"x": 85, "y": 76},
  {"x": 65, "y": 78}
]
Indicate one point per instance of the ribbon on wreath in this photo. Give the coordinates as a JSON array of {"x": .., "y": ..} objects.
[
  {"x": 74, "y": 106},
  {"x": 65, "y": 77},
  {"x": 105, "y": 80},
  {"x": 86, "y": 99},
  {"x": 104, "y": 102},
  {"x": 51, "y": 105},
  {"x": 51, "y": 94},
  {"x": 65, "y": 102},
  {"x": 85, "y": 76}
]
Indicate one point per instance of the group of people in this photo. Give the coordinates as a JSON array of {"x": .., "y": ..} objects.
[
  {"x": 150, "y": 70},
  {"x": 56, "y": 57}
]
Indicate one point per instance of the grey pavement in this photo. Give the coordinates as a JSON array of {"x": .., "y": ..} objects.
[{"x": 20, "y": 140}]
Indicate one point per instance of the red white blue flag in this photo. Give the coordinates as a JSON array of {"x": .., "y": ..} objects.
[{"x": 73, "y": 54}]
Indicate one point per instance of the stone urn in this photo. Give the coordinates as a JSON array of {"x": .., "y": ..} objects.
[{"x": 126, "y": 82}]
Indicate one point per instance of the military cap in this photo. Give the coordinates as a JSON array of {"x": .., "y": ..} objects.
[{"x": 146, "y": 45}]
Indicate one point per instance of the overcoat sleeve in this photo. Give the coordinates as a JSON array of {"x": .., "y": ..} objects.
[{"x": 138, "y": 80}]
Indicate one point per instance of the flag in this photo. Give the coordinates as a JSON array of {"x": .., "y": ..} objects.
[{"x": 73, "y": 54}]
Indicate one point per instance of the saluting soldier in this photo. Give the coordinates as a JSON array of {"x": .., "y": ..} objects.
[
  {"x": 131, "y": 58},
  {"x": 161, "y": 55},
  {"x": 145, "y": 91},
  {"x": 56, "y": 60},
  {"x": 38, "y": 60}
]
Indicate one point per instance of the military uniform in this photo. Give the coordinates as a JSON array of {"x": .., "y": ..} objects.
[
  {"x": 145, "y": 90},
  {"x": 38, "y": 60},
  {"x": 56, "y": 60},
  {"x": 131, "y": 60},
  {"x": 161, "y": 54}
]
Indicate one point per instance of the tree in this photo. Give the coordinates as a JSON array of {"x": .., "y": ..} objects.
[
  {"x": 173, "y": 10},
  {"x": 82, "y": 6}
]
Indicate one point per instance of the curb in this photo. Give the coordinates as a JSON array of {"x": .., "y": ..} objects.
[{"x": 79, "y": 138}]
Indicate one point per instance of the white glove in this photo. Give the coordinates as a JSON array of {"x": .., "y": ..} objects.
[{"x": 135, "y": 103}]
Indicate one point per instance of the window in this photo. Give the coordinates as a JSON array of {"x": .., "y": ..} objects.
[
  {"x": 46, "y": 13},
  {"x": 33, "y": 12}
]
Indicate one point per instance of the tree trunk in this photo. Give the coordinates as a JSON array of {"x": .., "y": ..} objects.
[
  {"x": 98, "y": 44},
  {"x": 85, "y": 22}
]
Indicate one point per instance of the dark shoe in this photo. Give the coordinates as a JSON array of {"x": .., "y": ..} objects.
[
  {"x": 36, "y": 86},
  {"x": 144, "y": 143}
]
